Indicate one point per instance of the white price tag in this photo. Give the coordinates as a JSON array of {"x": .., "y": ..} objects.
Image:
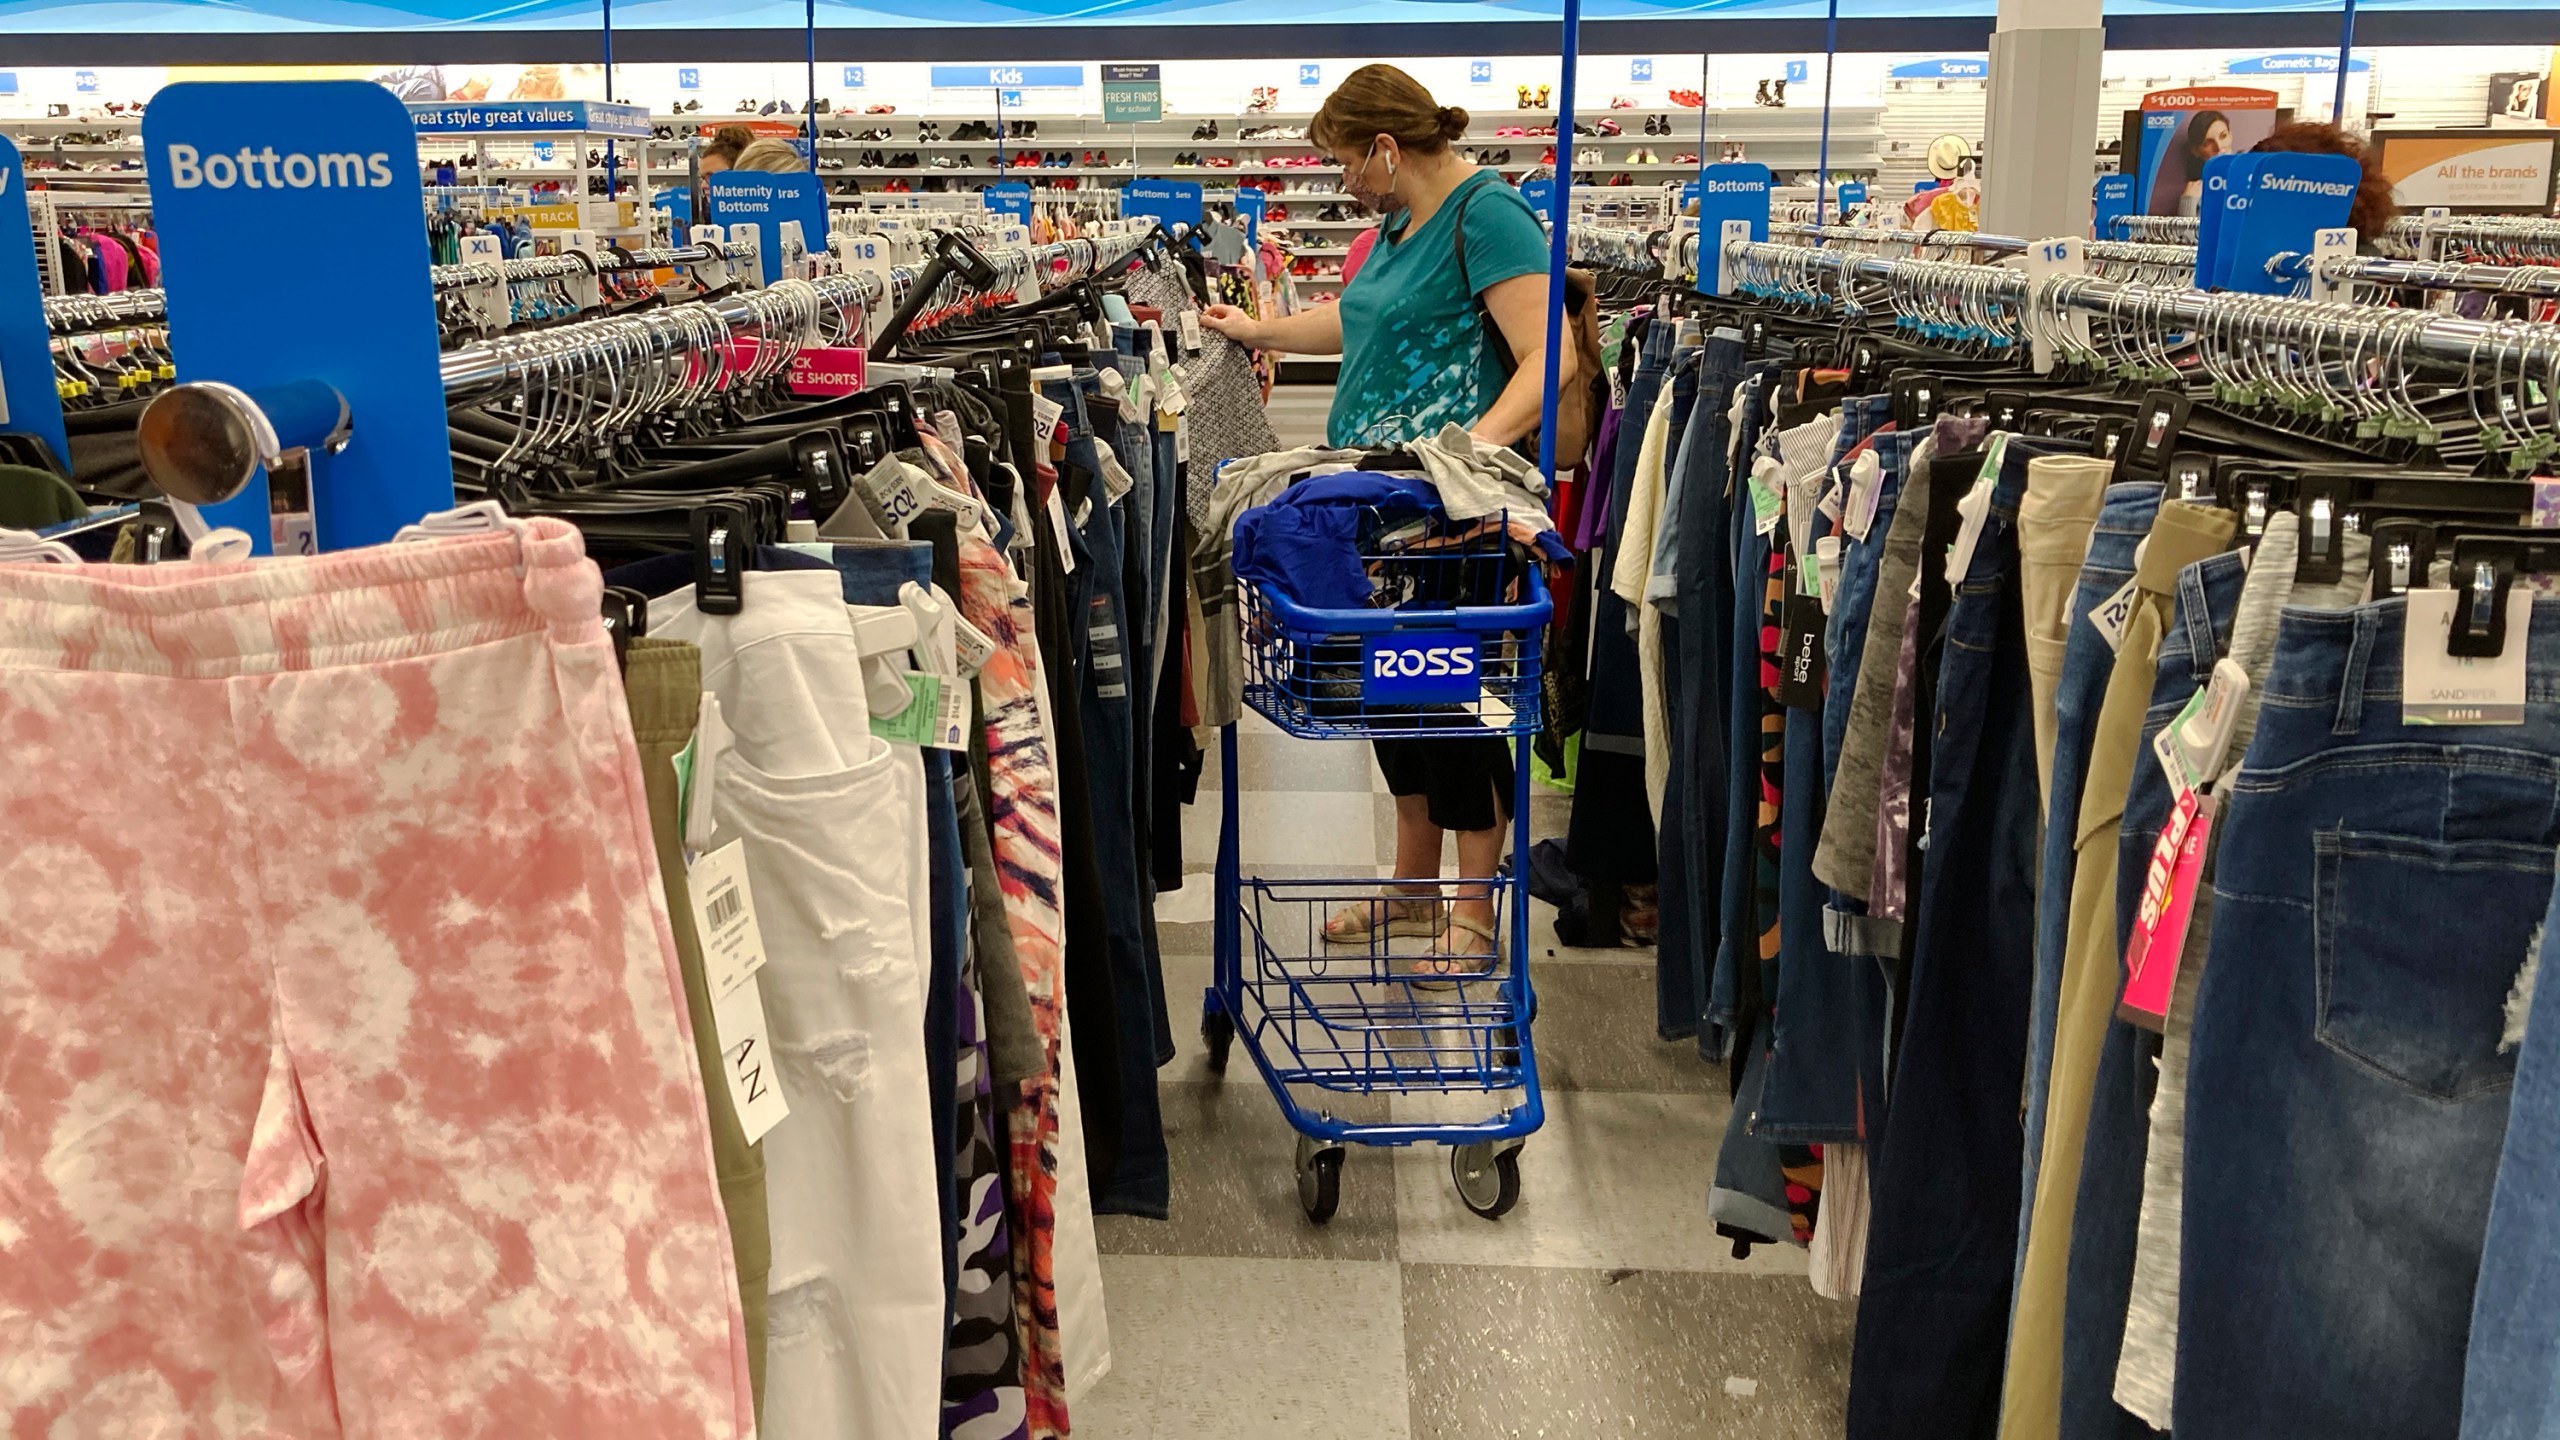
[
  {"x": 1191, "y": 330},
  {"x": 2441, "y": 689},
  {"x": 898, "y": 488},
  {"x": 974, "y": 645},
  {"x": 724, "y": 916},
  {"x": 1116, "y": 479},
  {"x": 746, "y": 1061},
  {"x": 1057, "y": 508},
  {"x": 1045, "y": 414}
]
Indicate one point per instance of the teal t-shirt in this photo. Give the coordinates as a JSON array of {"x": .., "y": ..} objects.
[{"x": 1414, "y": 352}]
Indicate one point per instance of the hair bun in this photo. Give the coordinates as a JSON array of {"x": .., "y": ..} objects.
[{"x": 1453, "y": 122}]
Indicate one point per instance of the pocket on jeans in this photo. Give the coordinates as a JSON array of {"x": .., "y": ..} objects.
[{"x": 2418, "y": 943}]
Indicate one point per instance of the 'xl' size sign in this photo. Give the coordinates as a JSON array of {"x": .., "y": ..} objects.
[{"x": 1434, "y": 668}]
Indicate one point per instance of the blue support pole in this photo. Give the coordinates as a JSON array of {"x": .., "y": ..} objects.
[
  {"x": 1000, "y": 170},
  {"x": 809, "y": 112},
  {"x": 2346, "y": 54},
  {"x": 612, "y": 170},
  {"x": 1562, "y": 210},
  {"x": 1830, "y": 62},
  {"x": 1706, "y": 102}
]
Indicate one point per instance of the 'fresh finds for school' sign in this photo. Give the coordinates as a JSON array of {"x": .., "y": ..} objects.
[{"x": 1132, "y": 94}]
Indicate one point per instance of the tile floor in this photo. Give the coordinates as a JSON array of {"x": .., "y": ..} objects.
[{"x": 1604, "y": 1305}]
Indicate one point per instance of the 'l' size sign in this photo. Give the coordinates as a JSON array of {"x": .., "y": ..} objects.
[{"x": 1433, "y": 668}]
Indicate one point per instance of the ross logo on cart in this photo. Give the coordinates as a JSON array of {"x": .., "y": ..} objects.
[{"x": 1436, "y": 668}]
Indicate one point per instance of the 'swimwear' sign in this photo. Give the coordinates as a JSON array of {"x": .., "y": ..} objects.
[
  {"x": 1430, "y": 668},
  {"x": 2268, "y": 205},
  {"x": 233, "y": 166},
  {"x": 765, "y": 199}
]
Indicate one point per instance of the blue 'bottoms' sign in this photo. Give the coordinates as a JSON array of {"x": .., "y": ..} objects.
[
  {"x": 241, "y": 168},
  {"x": 1435, "y": 667}
]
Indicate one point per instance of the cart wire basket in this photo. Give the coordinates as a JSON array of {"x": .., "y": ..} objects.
[
  {"x": 1447, "y": 646},
  {"x": 1447, "y": 649}
]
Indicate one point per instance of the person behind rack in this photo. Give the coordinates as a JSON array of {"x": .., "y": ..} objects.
[
  {"x": 771, "y": 154},
  {"x": 727, "y": 144},
  {"x": 1459, "y": 266}
]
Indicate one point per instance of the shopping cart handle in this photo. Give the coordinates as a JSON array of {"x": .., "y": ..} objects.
[{"x": 1527, "y": 615}]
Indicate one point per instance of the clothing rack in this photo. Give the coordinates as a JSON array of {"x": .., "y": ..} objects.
[
  {"x": 793, "y": 314},
  {"x": 66, "y": 313},
  {"x": 2420, "y": 233},
  {"x": 2009, "y": 307}
]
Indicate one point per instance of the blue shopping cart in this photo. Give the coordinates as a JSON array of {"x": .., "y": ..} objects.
[{"x": 1449, "y": 650}]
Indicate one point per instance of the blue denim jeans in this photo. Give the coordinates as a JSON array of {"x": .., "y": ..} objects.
[
  {"x": 1942, "y": 1244},
  {"x": 1142, "y": 1182},
  {"x": 2378, "y": 888},
  {"x": 1692, "y": 856},
  {"x": 2087, "y": 660},
  {"x": 2511, "y": 1385},
  {"x": 2107, "y": 1215}
]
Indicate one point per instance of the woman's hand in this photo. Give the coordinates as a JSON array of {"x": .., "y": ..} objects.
[{"x": 1235, "y": 324}]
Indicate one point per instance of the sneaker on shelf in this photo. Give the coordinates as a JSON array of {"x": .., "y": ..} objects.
[
  {"x": 879, "y": 109},
  {"x": 1608, "y": 127},
  {"x": 1621, "y": 102}
]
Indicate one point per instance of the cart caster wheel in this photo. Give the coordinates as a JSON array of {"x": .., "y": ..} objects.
[
  {"x": 1319, "y": 1178},
  {"x": 1217, "y": 1032},
  {"x": 1488, "y": 1177}
]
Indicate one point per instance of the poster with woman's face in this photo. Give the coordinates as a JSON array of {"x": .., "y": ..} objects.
[{"x": 2182, "y": 129}]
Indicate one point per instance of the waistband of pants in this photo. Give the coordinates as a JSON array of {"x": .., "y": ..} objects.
[
  {"x": 2009, "y": 490},
  {"x": 1848, "y": 934},
  {"x": 2128, "y": 508},
  {"x": 2208, "y": 594},
  {"x": 1723, "y": 362},
  {"x": 354, "y": 607},
  {"x": 2181, "y": 535},
  {"x": 2351, "y": 657},
  {"x": 663, "y": 679}
]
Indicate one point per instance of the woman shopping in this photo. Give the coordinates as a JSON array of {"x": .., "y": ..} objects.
[{"x": 1459, "y": 268}]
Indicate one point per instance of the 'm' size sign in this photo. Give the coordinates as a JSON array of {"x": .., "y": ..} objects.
[{"x": 1436, "y": 668}]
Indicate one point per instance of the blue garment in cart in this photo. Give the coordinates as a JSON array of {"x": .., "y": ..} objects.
[{"x": 1305, "y": 543}]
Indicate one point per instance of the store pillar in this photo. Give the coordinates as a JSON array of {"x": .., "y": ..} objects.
[{"x": 2041, "y": 141}]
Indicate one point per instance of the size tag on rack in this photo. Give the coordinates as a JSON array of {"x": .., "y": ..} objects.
[
  {"x": 1045, "y": 414},
  {"x": 2168, "y": 906},
  {"x": 746, "y": 1061},
  {"x": 2114, "y": 613},
  {"x": 724, "y": 916},
  {"x": 2441, "y": 689},
  {"x": 898, "y": 489},
  {"x": 2046, "y": 259},
  {"x": 1191, "y": 338}
]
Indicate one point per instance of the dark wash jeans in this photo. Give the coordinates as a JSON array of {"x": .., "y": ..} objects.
[
  {"x": 1142, "y": 1182},
  {"x": 2106, "y": 1220},
  {"x": 1942, "y": 1246},
  {"x": 2378, "y": 889},
  {"x": 1694, "y": 673}
]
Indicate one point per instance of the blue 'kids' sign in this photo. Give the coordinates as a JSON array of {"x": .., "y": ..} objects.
[
  {"x": 531, "y": 117},
  {"x": 1007, "y": 77},
  {"x": 234, "y": 165},
  {"x": 1175, "y": 202},
  {"x": 28, "y": 402},
  {"x": 2112, "y": 201},
  {"x": 1431, "y": 667},
  {"x": 765, "y": 198},
  {"x": 1737, "y": 190}
]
